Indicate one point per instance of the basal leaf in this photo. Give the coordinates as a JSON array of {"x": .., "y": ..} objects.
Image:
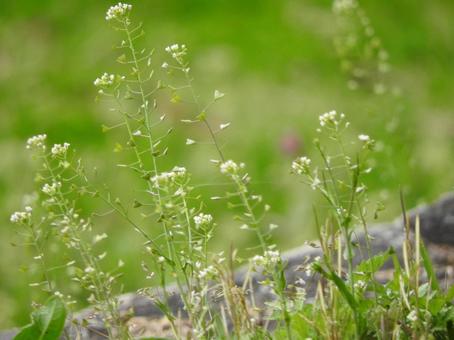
[{"x": 47, "y": 322}]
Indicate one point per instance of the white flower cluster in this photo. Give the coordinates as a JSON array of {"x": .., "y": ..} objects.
[
  {"x": 230, "y": 167},
  {"x": 105, "y": 80},
  {"x": 20, "y": 217},
  {"x": 164, "y": 178},
  {"x": 207, "y": 272},
  {"x": 368, "y": 142},
  {"x": 118, "y": 11},
  {"x": 176, "y": 51},
  {"x": 301, "y": 165},
  {"x": 51, "y": 189},
  {"x": 364, "y": 138},
  {"x": 360, "y": 284},
  {"x": 331, "y": 118},
  {"x": 59, "y": 149},
  {"x": 269, "y": 258},
  {"x": 37, "y": 142},
  {"x": 203, "y": 220}
]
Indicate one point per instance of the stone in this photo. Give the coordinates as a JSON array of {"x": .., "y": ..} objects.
[{"x": 437, "y": 231}]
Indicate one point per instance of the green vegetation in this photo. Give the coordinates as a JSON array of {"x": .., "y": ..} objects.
[{"x": 279, "y": 67}]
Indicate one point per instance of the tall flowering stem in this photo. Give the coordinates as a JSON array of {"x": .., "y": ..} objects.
[
  {"x": 339, "y": 181},
  {"x": 62, "y": 181},
  {"x": 247, "y": 201},
  {"x": 253, "y": 210},
  {"x": 185, "y": 229},
  {"x": 37, "y": 235}
]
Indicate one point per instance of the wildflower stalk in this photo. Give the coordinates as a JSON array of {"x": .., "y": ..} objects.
[
  {"x": 178, "y": 54},
  {"x": 241, "y": 180},
  {"x": 58, "y": 174},
  {"x": 334, "y": 189},
  {"x": 34, "y": 232},
  {"x": 169, "y": 194},
  {"x": 95, "y": 278}
]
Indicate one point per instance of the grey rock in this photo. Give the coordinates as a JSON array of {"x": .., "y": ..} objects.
[{"x": 437, "y": 230}]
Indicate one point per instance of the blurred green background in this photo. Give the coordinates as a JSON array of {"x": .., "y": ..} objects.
[{"x": 277, "y": 64}]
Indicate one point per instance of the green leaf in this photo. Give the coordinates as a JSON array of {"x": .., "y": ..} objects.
[
  {"x": 332, "y": 276},
  {"x": 122, "y": 58},
  {"x": 428, "y": 267},
  {"x": 47, "y": 322},
  {"x": 372, "y": 265}
]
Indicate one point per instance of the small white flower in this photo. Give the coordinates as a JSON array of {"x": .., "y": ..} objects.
[
  {"x": 165, "y": 178},
  {"x": 301, "y": 165},
  {"x": 161, "y": 259},
  {"x": 364, "y": 138},
  {"x": 58, "y": 294},
  {"x": 172, "y": 48},
  {"x": 137, "y": 133},
  {"x": 89, "y": 270},
  {"x": 37, "y": 142},
  {"x": 106, "y": 80},
  {"x": 51, "y": 189},
  {"x": 59, "y": 149},
  {"x": 229, "y": 167},
  {"x": 21, "y": 217},
  {"x": 272, "y": 256},
  {"x": 269, "y": 259},
  {"x": 179, "y": 171},
  {"x": 177, "y": 51},
  {"x": 360, "y": 284},
  {"x": 165, "y": 65},
  {"x": 190, "y": 141},
  {"x": 119, "y": 11},
  {"x": 203, "y": 220},
  {"x": 206, "y": 272},
  {"x": 328, "y": 118}
]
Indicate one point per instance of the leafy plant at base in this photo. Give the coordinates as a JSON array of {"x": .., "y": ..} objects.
[{"x": 47, "y": 322}]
